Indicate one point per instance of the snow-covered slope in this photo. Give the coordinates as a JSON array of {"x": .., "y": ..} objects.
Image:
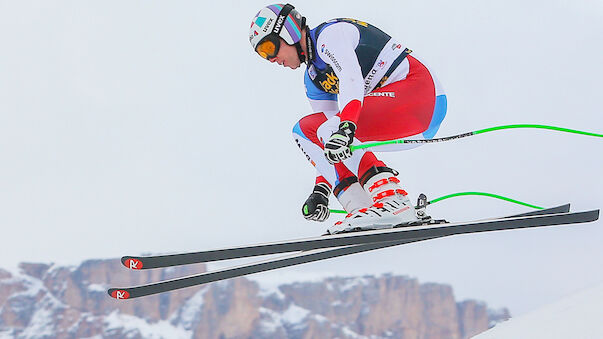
[{"x": 579, "y": 316}]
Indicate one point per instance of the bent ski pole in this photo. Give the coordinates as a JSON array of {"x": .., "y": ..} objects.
[
  {"x": 481, "y": 131},
  {"x": 491, "y": 195}
]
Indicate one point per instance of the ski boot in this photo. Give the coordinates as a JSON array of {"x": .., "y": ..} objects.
[
  {"x": 353, "y": 198},
  {"x": 391, "y": 207}
]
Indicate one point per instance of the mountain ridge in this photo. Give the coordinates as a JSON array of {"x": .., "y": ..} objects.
[{"x": 52, "y": 301}]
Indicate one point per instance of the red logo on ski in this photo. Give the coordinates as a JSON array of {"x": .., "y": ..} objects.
[
  {"x": 120, "y": 294},
  {"x": 133, "y": 264}
]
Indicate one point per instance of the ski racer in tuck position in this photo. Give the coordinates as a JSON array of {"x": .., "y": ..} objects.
[{"x": 363, "y": 85}]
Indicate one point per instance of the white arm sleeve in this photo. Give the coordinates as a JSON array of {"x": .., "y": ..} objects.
[
  {"x": 336, "y": 45},
  {"x": 328, "y": 107}
]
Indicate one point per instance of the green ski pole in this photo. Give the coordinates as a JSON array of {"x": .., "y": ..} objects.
[
  {"x": 496, "y": 196},
  {"x": 464, "y": 135}
]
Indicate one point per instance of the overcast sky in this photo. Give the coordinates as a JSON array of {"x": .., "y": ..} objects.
[{"x": 151, "y": 126}]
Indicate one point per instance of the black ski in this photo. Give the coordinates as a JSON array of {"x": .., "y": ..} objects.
[
  {"x": 256, "y": 267},
  {"x": 356, "y": 238},
  {"x": 271, "y": 264}
]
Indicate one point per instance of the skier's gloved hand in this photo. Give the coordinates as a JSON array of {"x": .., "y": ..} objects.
[
  {"x": 337, "y": 148},
  {"x": 316, "y": 208}
]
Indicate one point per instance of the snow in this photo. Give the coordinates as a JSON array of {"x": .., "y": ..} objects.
[
  {"x": 83, "y": 317},
  {"x": 8, "y": 334},
  {"x": 501, "y": 313},
  {"x": 577, "y": 316},
  {"x": 292, "y": 316},
  {"x": 321, "y": 319},
  {"x": 352, "y": 283},
  {"x": 191, "y": 309},
  {"x": 349, "y": 333},
  {"x": 270, "y": 288},
  {"x": 33, "y": 288},
  {"x": 134, "y": 327},
  {"x": 41, "y": 325},
  {"x": 272, "y": 321},
  {"x": 97, "y": 288}
]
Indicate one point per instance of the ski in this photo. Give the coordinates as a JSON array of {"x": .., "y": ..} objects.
[
  {"x": 364, "y": 237},
  {"x": 238, "y": 271},
  {"x": 272, "y": 264},
  {"x": 160, "y": 261}
]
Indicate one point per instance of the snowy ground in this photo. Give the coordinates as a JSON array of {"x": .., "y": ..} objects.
[{"x": 578, "y": 316}]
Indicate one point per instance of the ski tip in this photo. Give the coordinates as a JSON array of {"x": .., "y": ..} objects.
[
  {"x": 118, "y": 294},
  {"x": 132, "y": 263}
]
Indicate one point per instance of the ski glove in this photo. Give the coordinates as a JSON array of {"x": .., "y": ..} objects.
[
  {"x": 316, "y": 208},
  {"x": 337, "y": 148}
]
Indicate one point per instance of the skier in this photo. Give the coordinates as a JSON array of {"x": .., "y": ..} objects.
[{"x": 363, "y": 86}]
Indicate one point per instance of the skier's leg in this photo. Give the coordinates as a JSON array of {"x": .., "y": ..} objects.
[
  {"x": 338, "y": 177},
  {"x": 410, "y": 108},
  {"x": 407, "y": 108},
  {"x": 439, "y": 113},
  {"x": 308, "y": 141}
]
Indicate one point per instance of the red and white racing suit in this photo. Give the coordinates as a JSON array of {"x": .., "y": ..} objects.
[{"x": 359, "y": 73}]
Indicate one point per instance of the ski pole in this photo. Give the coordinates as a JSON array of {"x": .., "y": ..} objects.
[
  {"x": 496, "y": 196},
  {"x": 463, "y": 135}
]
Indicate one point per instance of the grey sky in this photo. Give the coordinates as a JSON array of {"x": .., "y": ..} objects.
[{"x": 149, "y": 126}]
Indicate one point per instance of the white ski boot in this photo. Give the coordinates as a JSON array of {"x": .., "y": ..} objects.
[
  {"x": 354, "y": 198},
  {"x": 391, "y": 207}
]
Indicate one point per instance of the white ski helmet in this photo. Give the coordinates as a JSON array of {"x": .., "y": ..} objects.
[{"x": 272, "y": 22}]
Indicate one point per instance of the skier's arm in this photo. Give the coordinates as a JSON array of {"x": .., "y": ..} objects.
[
  {"x": 316, "y": 207},
  {"x": 320, "y": 101},
  {"x": 336, "y": 45}
]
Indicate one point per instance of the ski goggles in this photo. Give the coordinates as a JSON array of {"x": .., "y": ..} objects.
[{"x": 268, "y": 47}]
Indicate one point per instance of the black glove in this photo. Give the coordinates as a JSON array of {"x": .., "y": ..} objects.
[
  {"x": 316, "y": 208},
  {"x": 337, "y": 148}
]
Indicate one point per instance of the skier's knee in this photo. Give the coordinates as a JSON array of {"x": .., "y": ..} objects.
[{"x": 307, "y": 127}]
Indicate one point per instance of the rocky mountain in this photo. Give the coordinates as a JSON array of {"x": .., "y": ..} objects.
[{"x": 49, "y": 301}]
